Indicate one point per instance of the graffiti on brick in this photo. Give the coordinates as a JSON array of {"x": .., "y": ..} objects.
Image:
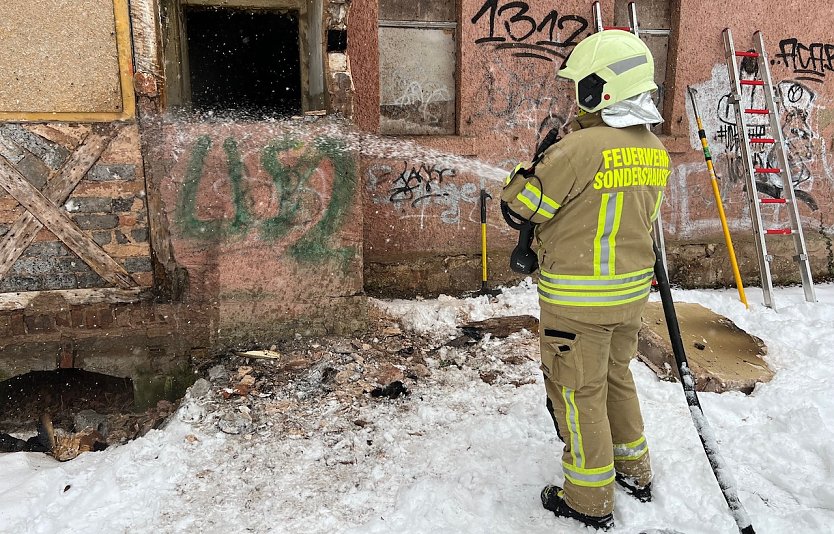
[
  {"x": 508, "y": 25},
  {"x": 808, "y": 62},
  {"x": 801, "y": 141},
  {"x": 418, "y": 188},
  {"x": 530, "y": 100},
  {"x": 415, "y": 184},
  {"x": 297, "y": 200}
]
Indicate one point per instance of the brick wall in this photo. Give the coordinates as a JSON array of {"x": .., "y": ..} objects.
[
  {"x": 108, "y": 205},
  {"x": 135, "y": 339}
]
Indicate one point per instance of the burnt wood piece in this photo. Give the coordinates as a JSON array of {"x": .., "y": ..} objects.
[
  {"x": 498, "y": 327},
  {"x": 501, "y": 327}
]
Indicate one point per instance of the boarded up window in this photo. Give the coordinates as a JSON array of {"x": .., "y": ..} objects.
[
  {"x": 417, "y": 63},
  {"x": 58, "y": 57}
]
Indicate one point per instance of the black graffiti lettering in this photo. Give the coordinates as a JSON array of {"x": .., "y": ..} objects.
[
  {"x": 756, "y": 130},
  {"x": 552, "y": 18},
  {"x": 582, "y": 25},
  {"x": 519, "y": 27},
  {"x": 787, "y": 51},
  {"x": 425, "y": 198},
  {"x": 726, "y": 134},
  {"x": 526, "y": 102},
  {"x": 725, "y": 112},
  {"x": 795, "y": 93},
  {"x": 829, "y": 56},
  {"x": 492, "y": 6},
  {"x": 797, "y": 133},
  {"x": 812, "y": 61},
  {"x": 415, "y": 184},
  {"x": 521, "y": 16}
]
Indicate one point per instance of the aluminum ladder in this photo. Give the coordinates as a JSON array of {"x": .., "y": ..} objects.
[
  {"x": 772, "y": 102},
  {"x": 635, "y": 29}
]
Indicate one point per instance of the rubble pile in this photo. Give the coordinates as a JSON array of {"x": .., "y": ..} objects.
[{"x": 308, "y": 386}]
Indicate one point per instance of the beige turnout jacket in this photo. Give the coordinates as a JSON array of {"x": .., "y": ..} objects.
[{"x": 594, "y": 196}]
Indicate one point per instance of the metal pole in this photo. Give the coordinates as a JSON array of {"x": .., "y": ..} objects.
[{"x": 717, "y": 194}]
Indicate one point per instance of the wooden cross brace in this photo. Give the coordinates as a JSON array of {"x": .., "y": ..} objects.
[{"x": 43, "y": 210}]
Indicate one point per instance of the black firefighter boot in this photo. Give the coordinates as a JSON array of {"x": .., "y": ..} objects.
[
  {"x": 553, "y": 500},
  {"x": 641, "y": 493}
]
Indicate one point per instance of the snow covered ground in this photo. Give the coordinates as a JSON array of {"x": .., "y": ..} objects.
[{"x": 461, "y": 456}]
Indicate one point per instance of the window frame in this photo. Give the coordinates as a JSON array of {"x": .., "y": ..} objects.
[
  {"x": 433, "y": 25},
  {"x": 310, "y": 48},
  {"x": 654, "y": 29}
]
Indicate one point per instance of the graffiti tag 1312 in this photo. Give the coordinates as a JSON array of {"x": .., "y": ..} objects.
[{"x": 509, "y": 26}]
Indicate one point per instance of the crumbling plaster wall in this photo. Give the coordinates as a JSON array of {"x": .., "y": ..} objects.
[
  {"x": 239, "y": 232},
  {"x": 262, "y": 219},
  {"x": 266, "y": 221}
]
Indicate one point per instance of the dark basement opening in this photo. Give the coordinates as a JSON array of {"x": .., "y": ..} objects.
[
  {"x": 244, "y": 61},
  {"x": 75, "y": 402}
]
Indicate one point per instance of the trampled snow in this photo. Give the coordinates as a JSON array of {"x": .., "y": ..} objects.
[{"x": 461, "y": 456}]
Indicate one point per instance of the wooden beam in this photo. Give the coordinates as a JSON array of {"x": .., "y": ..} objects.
[
  {"x": 57, "y": 221},
  {"x": 107, "y": 295},
  {"x": 23, "y": 231},
  {"x": 121, "y": 12},
  {"x": 144, "y": 19}
]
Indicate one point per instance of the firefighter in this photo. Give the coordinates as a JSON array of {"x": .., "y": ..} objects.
[{"x": 593, "y": 197}]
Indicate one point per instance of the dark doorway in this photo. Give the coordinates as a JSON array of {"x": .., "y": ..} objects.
[{"x": 243, "y": 61}]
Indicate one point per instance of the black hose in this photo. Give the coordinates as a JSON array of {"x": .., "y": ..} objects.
[{"x": 719, "y": 469}]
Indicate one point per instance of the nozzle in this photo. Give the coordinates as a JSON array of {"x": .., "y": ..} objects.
[{"x": 524, "y": 260}]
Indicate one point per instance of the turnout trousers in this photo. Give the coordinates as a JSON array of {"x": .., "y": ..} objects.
[{"x": 593, "y": 401}]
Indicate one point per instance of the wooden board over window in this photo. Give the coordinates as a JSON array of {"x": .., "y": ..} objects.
[
  {"x": 65, "y": 61},
  {"x": 417, "y": 81}
]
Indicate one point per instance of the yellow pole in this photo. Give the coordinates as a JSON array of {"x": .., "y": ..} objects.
[
  {"x": 484, "y": 197},
  {"x": 717, "y": 193},
  {"x": 483, "y": 253}
]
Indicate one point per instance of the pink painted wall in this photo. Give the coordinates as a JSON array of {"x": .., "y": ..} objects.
[
  {"x": 798, "y": 37},
  {"x": 507, "y": 101},
  {"x": 508, "y": 98},
  {"x": 266, "y": 221}
]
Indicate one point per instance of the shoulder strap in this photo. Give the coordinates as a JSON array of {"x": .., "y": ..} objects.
[{"x": 549, "y": 140}]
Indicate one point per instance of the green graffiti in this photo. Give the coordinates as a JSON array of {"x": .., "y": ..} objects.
[
  {"x": 313, "y": 246},
  {"x": 186, "y": 208},
  {"x": 243, "y": 219},
  {"x": 292, "y": 188},
  {"x": 290, "y": 183}
]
